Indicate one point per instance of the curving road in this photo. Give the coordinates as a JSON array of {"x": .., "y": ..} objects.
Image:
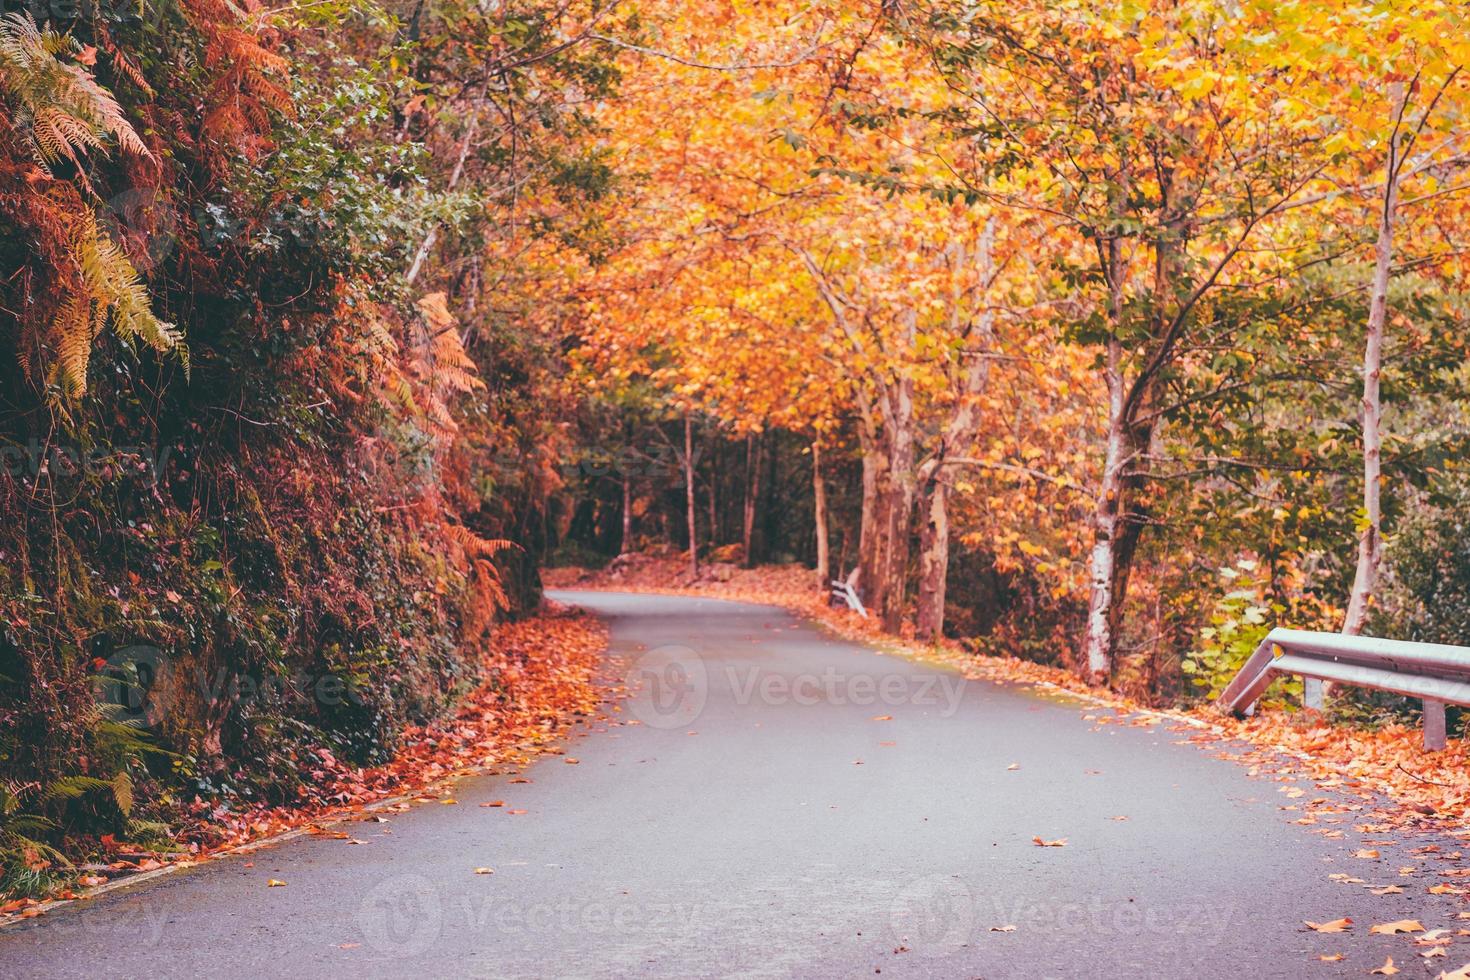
[{"x": 762, "y": 820}]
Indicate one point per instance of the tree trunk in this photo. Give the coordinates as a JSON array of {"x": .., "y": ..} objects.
[
  {"x": 933, "y": 561},
  {"x": 712, "y": 495},
  {"x": 752, "y": 495},
  {"x": 898, "y": 503},
  {"x": 819, "y": 498},
  {"x": 689, "y": 495},
  {"x": 1370, "y": 539},
  {"x": 626, "y": 546},
  {"x": 1107, "y": 515},
  {"x": 868, "y": 533},
  {"x": 959, "y": 432}
]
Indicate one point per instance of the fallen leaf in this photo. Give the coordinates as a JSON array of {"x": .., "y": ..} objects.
[
  {"x": 516, "y": 812},
  {"x": 348, "y": 945},
  {"x": 882, "y": 717},
  {"x": 572, "y": 762},
  {"x": 1336, "y": 925},
  {"x": 494, "y": 803},
  {"x": 484, "y": 871},
  {"x": 1388, "y": 890},
  {"x": 1393, "y": 928},
  {"x": 1365, "y": 853},
  {"x": 1002, "y": 928},
  {"x": 275, "y": 883},
  {"x": 1387, "y": 969},
  {"x": 1059, "y": 842},
  {"x": 1332, "y": 957},
  {"x": 1430, "y": 954},
  {"x": 1013, "y": 767}
]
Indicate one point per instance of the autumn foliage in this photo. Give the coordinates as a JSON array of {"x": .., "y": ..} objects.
[{"x": 1094, "y": 336}]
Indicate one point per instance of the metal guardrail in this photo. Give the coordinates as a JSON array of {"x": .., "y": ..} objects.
[
  {"x": 844, "y": 592},
  {"x": 1434, "y": 672}
]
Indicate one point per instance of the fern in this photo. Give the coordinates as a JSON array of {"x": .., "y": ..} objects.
[
  {"x": 74, "y": 787},
  {"x": 111, "y": 292},
  {"x": 60, "y": 107},
  {"x": 440, "y": 362}
]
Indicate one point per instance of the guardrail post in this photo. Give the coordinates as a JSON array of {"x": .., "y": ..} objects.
[
  {"x": 1313, "y": 694},
  {"x": 1434, "y": 732}
]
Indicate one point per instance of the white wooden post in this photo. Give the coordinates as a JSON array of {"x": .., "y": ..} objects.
[{"x": 1434, "y": 732}]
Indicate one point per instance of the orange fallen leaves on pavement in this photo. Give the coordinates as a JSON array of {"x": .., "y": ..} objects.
[
  {"x": 275, "y": 883},
  {"x": 1394, "y": 928},
  {"x": 1387, "y": 969},
  {"x": 1336, "y": 925},
  {"x": 1059, "y": 842}
]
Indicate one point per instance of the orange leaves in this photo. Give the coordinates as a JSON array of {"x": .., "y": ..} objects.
[
  {"x": 1040, "y": 842},
  {"x": 1387, "y": 969},
  {"x": 554, "y": 657},
  {"x": 1394, "y": 928},
  {"x": 1335, "y": 925}
]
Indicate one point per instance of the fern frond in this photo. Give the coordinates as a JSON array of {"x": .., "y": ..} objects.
[
  {"x": 61, "y": 107},
  {"x": 74, "y": 334}
]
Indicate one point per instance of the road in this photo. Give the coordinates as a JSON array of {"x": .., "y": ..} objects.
[{"x": 788, "y": 805}]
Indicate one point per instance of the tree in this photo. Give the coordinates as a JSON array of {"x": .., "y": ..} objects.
[{"x": 1133, "y": 131}]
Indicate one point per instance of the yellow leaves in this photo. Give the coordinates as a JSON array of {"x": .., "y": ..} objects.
[
  {"x": 1198, "y": 85},
  {"x": 1336, "y": 925},
  {"x": 275, "y": 883},
  {"x": 1393, "y": 928},
  {"x": 1387, "y": 969}
]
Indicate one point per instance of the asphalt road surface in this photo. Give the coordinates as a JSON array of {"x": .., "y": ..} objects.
[{"x": 764, "y": 820}]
